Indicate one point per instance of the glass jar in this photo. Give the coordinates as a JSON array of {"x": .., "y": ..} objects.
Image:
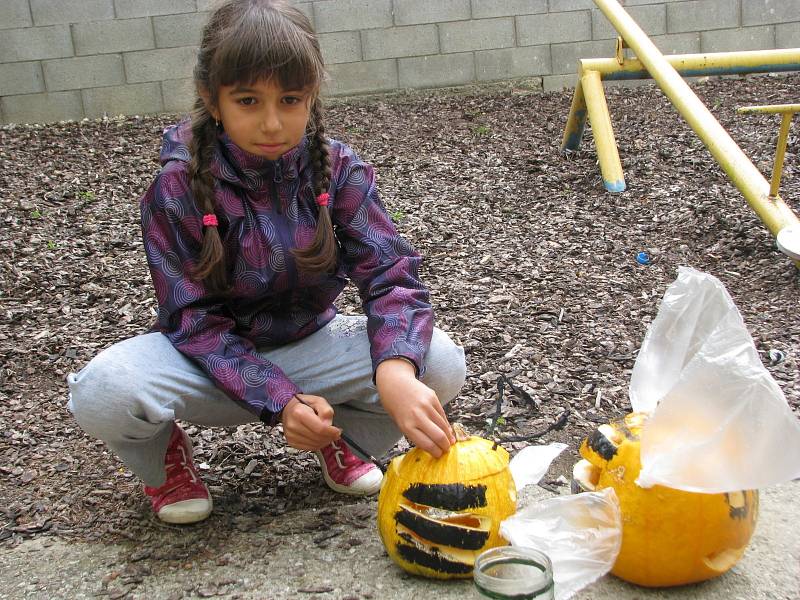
[{"x": 514, "y": 573}]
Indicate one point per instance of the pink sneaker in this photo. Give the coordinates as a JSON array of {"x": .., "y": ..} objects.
[
  {"x": 344, "y": 472},
  {"x": 183, "y": 498}
]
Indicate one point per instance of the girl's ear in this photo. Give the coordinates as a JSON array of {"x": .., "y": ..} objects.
[{"x": 210, "y": 105}]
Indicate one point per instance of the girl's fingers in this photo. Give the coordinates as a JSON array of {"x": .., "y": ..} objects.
[
  {"x": 308, "y": 432},
  {"x": 324, "y": 434},
  {"x": 308, "y": 441},
  {"x": 422, "y": 440},
  {"x": 316, "y": 417},
  {"x": 319, "y": 406},
  {"x": 320, "y": 430},
  {"x": 440, "y": 437},
  {"x": 438, "y": 427},
  {"x": 440, "y": 419},
  {"x": 432, "y": 436}
]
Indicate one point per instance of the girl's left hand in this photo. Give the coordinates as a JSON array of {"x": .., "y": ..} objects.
[
  {"x": 308, "y": 425},
  {"x": 413, "y": 406}
]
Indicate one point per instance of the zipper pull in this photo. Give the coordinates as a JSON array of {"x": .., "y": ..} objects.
[{"x": 278, "y": 176}]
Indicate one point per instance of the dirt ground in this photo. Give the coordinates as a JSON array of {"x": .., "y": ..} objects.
[{"x": 531, "y": 264}]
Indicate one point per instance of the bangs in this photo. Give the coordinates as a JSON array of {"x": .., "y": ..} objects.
[{"x": 266, "y": 45}]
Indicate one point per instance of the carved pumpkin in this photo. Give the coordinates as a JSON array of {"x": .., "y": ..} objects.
[
  {"x": 436, "y": 515},
  {"x": 669, "y": 537}
]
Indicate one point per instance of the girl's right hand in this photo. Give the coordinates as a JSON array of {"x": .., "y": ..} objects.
[{"x": 309, "y": 426}]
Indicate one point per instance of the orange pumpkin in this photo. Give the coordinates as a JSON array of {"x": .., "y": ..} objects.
[
  {"x": 435, "y": 515},
  {"x": 669, "y": 537}
]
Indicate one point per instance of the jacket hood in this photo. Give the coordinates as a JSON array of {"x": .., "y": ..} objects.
[{"x": 232, "y": 164}]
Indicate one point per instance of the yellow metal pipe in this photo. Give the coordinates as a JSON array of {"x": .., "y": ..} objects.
[
  {"x": 573, "y": 132},
  {"x": 747, "y": 178},
  {"x": 777, "y": 169},
  {"x": 603, "y": 132},
  {"x": 787, "y": 111},
  {"x": 770, "y": 109},
  {"x": 697, "y": 65}
]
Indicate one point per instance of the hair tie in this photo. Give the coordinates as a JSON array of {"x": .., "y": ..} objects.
[
  {"x": 323, "y": 198},
  {"x": 210, "y": 220}
]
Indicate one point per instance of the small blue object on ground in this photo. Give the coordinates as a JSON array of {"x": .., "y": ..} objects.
[{"x": 643, "y": 258}]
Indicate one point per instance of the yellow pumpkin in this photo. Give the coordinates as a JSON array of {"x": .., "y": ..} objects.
[
  {"x": 435, "y": 515},
  {"x": 669, "y": 537}
]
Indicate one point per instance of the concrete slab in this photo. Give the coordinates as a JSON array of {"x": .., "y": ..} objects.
[{"x": 282, "y": 560}]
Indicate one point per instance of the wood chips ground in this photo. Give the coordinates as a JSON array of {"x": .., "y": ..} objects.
[{"x": 531, "y": 264}]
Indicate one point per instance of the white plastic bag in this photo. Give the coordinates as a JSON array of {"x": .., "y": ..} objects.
[
  {"x": 581, "y": 534},
  {"x": 531, "y": 463},
  {"x": 719, "y": 421}
]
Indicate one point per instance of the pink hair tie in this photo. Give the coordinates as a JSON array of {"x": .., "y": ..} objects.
[
  {"x": 210, "y": 220},
  {"x": 323, "y": 198}
]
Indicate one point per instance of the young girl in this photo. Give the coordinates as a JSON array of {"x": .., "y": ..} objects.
[{"x": 251, "y": 230}]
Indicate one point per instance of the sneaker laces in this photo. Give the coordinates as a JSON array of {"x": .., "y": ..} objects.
[
  {"x": 342, "y": 465},
  {"x": 178, "y": 465}
]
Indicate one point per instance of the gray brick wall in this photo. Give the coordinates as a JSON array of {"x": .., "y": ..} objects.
[
  {"x": 69, "y": 59},
  {"x": 123, "y": 35}
]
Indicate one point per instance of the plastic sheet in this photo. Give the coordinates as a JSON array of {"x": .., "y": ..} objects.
[
  {"x": 581, "y": 534},
  {"x": 531, "y": 463},
  {"x": 719, "y": 421}
]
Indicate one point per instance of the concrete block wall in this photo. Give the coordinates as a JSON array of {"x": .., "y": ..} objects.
[{"x": 69, "y": 59}]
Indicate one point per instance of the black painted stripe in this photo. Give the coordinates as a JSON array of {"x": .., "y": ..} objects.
[
  {"x": 433, "y": 560},
  {"x": 602, "y": 445},
  {"x": 448, "y": 496},
  {"x": 438, "y": 532}
]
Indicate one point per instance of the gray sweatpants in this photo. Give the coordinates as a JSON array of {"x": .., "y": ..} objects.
[{"x": 129, "y": 394}]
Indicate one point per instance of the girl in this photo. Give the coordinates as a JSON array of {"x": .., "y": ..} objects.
[{"x": 251, "y": 230}]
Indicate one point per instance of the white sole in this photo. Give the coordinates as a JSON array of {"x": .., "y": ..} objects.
[
  {"x": 186, "y": 511},
  {"x": 352, "y": 490}
]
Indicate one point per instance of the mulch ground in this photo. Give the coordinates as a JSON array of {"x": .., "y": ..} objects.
[{"x": 531, "y": 264}]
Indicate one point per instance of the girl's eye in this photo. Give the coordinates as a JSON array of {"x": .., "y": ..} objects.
[
  {"x": 291, "y": 99},
  {"x": 248, "y": 101}
]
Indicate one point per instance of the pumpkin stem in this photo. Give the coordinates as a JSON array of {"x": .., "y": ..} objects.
[{"x": 460, "y": 433}]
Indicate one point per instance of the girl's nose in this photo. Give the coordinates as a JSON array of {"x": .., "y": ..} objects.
[{"x": 270, "y": 121}]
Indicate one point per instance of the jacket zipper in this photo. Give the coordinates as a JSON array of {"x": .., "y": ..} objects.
[
  {"x": 277, "y": 178},
  {"x": 283, "y": 223}
]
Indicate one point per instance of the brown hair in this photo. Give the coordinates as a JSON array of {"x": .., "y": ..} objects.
[{"x": 246, "y": 41}]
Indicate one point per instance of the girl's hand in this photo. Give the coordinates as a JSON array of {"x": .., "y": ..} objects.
[
  {"x": 413, "y": 406},
  {"x": 309, "y": 426}
]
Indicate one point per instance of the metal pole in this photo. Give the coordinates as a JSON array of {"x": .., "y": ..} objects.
[
  {"x": 603, "y": 132},
  {"x": 787, "y": 111},
  {"x": 698, "y": 65},
  {"x": 771, "y": 108},
  {"x": 780, "y": 152},
  {"x": 688, "y": 65},
  {"x": 576, "y": 121},
  {"x": 755, "y": 188}
]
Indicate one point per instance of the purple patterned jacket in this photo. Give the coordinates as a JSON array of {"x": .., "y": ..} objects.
[{"x": 264, "y": 209}]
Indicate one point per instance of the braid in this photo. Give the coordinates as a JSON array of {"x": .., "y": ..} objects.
[
  {"x": 211, "y": 267},
  {"x": 320, "y": 151},
  {"x": 322, "y": 254}
]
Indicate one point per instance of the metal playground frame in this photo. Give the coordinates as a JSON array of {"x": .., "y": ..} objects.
[{"x": 667, "y": 71}]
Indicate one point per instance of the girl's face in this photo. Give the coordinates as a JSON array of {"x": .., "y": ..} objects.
[{"x": 262, "y": 118}]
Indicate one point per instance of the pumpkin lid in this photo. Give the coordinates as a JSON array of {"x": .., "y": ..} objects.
[{"x": 470, "y": 458}]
